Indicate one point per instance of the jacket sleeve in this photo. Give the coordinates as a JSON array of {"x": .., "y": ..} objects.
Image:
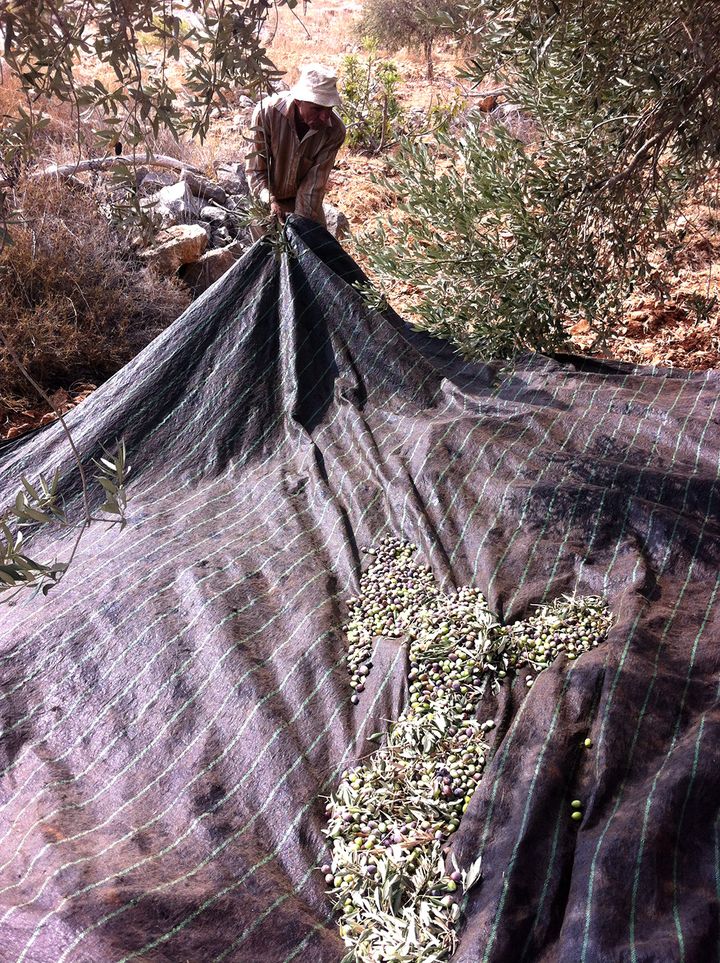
[
  {"x": 311, "y": 190},
  {"x": 256, "y": 160}
]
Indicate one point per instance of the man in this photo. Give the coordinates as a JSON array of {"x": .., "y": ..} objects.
[{"x": 296, "y": 139}]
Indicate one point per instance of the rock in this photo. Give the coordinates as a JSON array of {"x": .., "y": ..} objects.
[
  {"x": 175, "y": 246},
  {"x": 173, "y": 204},
  {"x": 487, "y": 103},
  {"x": 232, "y": 178},
  {"x": 215, "y": 215},
  {"x": 203, "y": 187},
  {"x": 243, "y": 113},
  {"x": 337, "y": 223},
  {"x": 211, "y": 266},
  {"x": 153, "y": 181},
  {"x": 220, "y": 237},
  {"x": 581, "y": 327}
]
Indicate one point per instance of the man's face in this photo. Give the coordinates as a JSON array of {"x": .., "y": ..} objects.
[{"x": 315, "y": 116}]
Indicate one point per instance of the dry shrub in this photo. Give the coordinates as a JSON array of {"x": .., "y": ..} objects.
[
  {"x": 10, "y": 96},
  {"x": 72, "y": 305},
  {"x": 57, "y": 140}
]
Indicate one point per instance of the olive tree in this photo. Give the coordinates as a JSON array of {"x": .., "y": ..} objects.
[
  {"x": 158, "y": 65},
  {"x": 516, "y": 238},
  {"x": 400, "y": 23}
]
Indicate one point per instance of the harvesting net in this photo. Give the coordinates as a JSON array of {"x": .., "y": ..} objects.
[{"x": 175, "y": 714}]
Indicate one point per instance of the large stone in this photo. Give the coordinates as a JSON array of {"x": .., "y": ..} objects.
[
  {"x": 173, "y": 204},
  {"x": 232, "y": 178},
  {"x": 176, "y": 246},
  {"x": 210, "y": 267},
  {"x": 337, "y": 223},
  {"x": 203, "y": 188},
  {"x": 216, "y": 215}
]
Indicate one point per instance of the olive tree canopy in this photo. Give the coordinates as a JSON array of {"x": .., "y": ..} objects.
[
  {"x": 401, "y": 23},
  {"x": 147, "y": 64},
  {"x": 519, "y": 236}
]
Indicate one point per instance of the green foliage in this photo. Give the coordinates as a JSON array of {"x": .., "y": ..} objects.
[
  {"x": 444, "y": 116},
  {"x": 514, "y": 240},
  {"x": 371, "y": 109},
  {"x": 39, "y": 506},
  {"x": 401, "y": 23},
  {"x": 498, "y": 264},
  {"x": 214, "y": 48}
]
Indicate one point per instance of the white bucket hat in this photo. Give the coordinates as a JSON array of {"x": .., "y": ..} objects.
[{"x": 317, "y": 84}]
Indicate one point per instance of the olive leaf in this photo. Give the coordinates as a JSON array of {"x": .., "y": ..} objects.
[
  {"x": 37, "y": 506},
  {"x": 471, "y": 875},
  {"x": 548, "y": 202}
]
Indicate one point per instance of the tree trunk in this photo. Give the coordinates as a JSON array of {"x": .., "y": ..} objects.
[{"x": 429, "y": 60}]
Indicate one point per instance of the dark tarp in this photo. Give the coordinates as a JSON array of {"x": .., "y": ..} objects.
[{"x": 174, "y": 714}]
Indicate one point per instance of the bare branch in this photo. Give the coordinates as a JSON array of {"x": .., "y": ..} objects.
[{"x": 105, "y": 163}]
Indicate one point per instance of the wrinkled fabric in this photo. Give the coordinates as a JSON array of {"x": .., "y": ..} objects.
[{"x": 175, "y": 713}]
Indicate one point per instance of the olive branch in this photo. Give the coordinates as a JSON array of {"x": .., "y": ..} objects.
[{"x": 40, "y": 504}]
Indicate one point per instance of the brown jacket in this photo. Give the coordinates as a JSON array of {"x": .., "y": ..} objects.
[{"x": 297, "y": 169}]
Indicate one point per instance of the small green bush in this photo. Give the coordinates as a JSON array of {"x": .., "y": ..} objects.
[{"x": 371, "y": 108}]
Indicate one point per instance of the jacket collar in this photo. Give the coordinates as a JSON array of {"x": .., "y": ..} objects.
[{"x": 285, "y": 102}]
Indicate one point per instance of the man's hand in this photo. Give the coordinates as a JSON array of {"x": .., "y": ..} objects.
[{"x": 277, "y": 211}]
